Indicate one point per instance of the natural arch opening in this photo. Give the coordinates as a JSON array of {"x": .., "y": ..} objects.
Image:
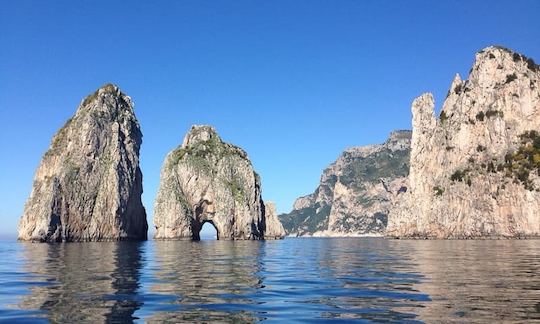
[{"x": 207, "y": 231}]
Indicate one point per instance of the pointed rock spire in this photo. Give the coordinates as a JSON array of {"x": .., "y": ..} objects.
[{"x": 88, "y": 185}]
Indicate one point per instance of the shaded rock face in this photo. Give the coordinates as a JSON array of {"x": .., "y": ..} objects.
[
  {"x": 475, "y": 169},
  {"x": 355, "y": 192},
  {"x": 208, "y": 180},
  {"x": 88, "y": 186}
]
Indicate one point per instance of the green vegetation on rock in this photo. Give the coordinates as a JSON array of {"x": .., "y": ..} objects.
[
  {"x": 59, "y": 139},
  {"x": 383, "y": 164},
  {"x": 310, "y": 219},
  {"x": 357, "y": 189},
  {"x": 109, "y": 87},
  {"x": 462, "y": 176},
  {"x": 237, "y": 189},
  {"x": 438, "y": 191},
  {"x": 443, "y": 117},
  {"x": 490, "y": 113},
  {"x": 526, "y": 159},
  {"x": 517, "y": 165},
  {"x": 494, "y": 113},
  {"x": 201, "y": 153},
  {"x": 510, "y": 77},
  {"x": 480, "y": 116}
]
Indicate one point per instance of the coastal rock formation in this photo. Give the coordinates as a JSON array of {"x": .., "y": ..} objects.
[
  {"x": 88, "y": 186},
  {"x": 355, "y": 192},
  {"x": 274, "y": 228},
  {"x": 208, "y": 180},
  {"x": 475, "y": 169}
]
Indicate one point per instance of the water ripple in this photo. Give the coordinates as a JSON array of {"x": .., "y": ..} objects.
[{"x": 294, "y": 280}]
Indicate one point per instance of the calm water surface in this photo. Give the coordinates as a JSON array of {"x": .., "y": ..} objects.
[{"x": 361, "y": 279}]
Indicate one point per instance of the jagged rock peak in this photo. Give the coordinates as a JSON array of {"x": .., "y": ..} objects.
[
  {"x": 208, "y": 180},
  {"x": 423, "y": 111},
  {"x": 496, "y": 65},
  {"x": 205, "y": 137},
  {"x": 474, "y": 170},
  {"x": 399, "y": 140},
  {"x": 504, "y": 55},
  {"x": 200, "y": 133},
  {"x": 88, "y": 185},
  {"x": 109, "y": 97},
  {"x": 400, "y": 134}
]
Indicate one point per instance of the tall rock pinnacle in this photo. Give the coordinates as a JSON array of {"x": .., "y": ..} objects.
[{"x": 88, "y": 185}]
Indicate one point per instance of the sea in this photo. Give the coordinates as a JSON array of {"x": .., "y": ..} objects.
[{"x": 284, "y": 281}]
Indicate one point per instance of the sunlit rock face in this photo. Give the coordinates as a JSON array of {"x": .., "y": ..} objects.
[
  {"x": 274, "y": 228},
  {"x": 475, "y": 169},
  {"x": 355, "y": 192},
  {"x": 208, "y": 180},
  {"x": 88, "y": 185}
]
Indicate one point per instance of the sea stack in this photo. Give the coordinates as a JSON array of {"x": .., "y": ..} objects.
[
  {"x": 475, "y": 169},
  {"x": 208, "y": 180},
  {"x": 356, "y": 192},
  {"x": 88, "y": 185},
  {"x": 274, "y": 228}
]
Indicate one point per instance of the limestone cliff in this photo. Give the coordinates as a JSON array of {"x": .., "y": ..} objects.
[
  {"x": 475, "y": 169},
  {"x": 274, "y": 228},
  {"x": 355, "y": 192},
  {"x": 88, "y": 186},
  {"x": 208, "y": 180}
]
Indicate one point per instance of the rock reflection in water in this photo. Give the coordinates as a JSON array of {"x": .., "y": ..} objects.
[
  {"x": 303, "y": 279},
  {"x": 485, "y": 281},
  {"x": 283, "y": 281},
  {"x": 211, "y": 280},
  {"x": 91, "y": 282}
]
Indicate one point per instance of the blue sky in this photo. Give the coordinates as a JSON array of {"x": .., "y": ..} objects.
[{"x": 292, "y": 82}]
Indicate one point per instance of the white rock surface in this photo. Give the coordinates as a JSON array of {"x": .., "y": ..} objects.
[
  {"x": 274, "y": 228},
  {"x": 474, "y": 170}
]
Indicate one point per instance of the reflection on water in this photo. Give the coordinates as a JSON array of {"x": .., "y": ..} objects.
[
  {"x": 293, "y": 279},
  {"x": 270, "y": 280},
  {"x": 487, "y": 280},
  {"x": 211, "y": 280},
  {"x": 94, "y": 282}
]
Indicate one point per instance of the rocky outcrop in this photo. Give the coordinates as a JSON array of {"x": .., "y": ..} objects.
[
  {"x": 208, "y": 180},
  {"x": 475, "y": 169},
  {"x": 355, "y": 192},
  {"x": 274, "y": 228},
  {"x": 88, "y": 186}
]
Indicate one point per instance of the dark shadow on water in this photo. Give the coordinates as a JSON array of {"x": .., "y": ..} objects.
[{"x": 91, "y": 282}]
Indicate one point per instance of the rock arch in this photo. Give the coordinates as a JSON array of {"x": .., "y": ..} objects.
[
  {"x": 197, "y": 226},
  {"x": 208, "y": 180}
]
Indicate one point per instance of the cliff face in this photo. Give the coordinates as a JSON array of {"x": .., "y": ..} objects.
[
  {"x": 475, "y": 169},
  {"x": 88, "y": 186},
  {"x": 208, "y": 180},
  {"x": 355, "y": 192}
]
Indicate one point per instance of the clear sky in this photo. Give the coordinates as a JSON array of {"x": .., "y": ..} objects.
[{"x": 292, "y": 82}]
